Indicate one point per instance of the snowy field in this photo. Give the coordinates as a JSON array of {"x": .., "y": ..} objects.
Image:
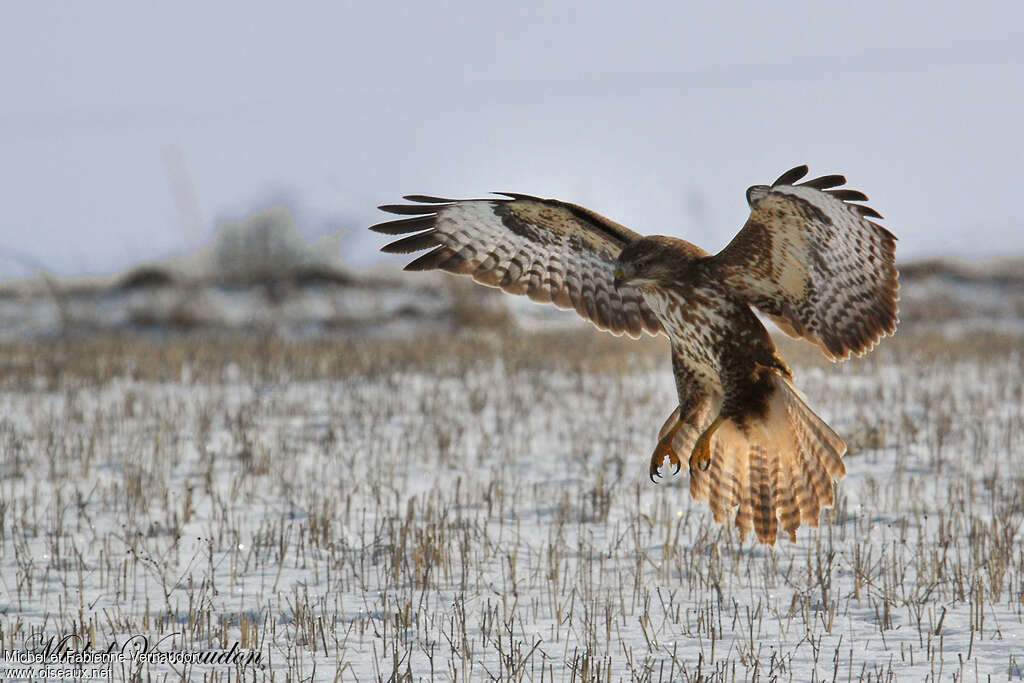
[{"x": 474, "y": 505}]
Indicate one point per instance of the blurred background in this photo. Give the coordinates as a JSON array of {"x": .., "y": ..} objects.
[{"x": 162, "y": 134}]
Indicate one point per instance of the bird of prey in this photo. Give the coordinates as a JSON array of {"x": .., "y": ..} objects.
[{"x": 809, "y": 257}]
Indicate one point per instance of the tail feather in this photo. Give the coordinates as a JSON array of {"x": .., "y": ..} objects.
[
  {"x": 701, "y": 487},
  {"x": 821, "y": 451},
  {"x": 826, "y": 445},
  {"x": 813, "y": 433},
  {"x": 807, "y": 492},
  {"x": 776, "y": 470},
  {"x": 744, "y": 513},
  {"x": 762, "y": 493},
  {"x": 789, "y": 510},
  {"x": 720, "y": 486}
]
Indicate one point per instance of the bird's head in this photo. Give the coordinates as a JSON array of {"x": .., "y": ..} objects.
[{"x": 647, "y": 262}]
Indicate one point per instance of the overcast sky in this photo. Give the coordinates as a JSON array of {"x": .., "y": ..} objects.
[{"x": 658, "y": 116}]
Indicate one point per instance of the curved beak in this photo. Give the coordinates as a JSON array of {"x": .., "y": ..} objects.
[{"x": 620, "y": 278}]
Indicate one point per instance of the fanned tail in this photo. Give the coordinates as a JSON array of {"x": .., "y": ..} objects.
[{"x": 775, "y": 470}]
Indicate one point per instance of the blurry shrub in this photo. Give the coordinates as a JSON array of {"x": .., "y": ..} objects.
[
  {"x": 266, "y": 246},
  {"x": 142, "y": 277}
]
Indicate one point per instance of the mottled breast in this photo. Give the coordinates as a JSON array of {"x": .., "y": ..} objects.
[{"x": 695, "y": 326}]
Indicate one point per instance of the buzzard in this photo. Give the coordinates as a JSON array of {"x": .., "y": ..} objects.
[{"x": 809, "y": 257}]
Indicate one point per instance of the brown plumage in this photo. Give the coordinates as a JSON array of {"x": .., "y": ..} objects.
[{"x": 807, "y": 257}]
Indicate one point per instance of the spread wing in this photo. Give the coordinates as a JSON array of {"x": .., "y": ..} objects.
[
  {"x": 812, "y": 260},
  {"x": 548, "y": 250}
]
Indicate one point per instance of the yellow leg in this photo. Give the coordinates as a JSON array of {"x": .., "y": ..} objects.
[
  {"x": 664, "y": 450},
  {"x": 701, "y": 456}
]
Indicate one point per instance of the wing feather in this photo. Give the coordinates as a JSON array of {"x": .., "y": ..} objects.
[
  {"x": 408, "y": 209},
  {"x": 548, "y": 250},
  {"x": 825, "y": 182},
  {"x": 791, "y": 176},
  {"x": 403, "y": 226},
  {"x": 426, "y": 199},
  {"x": 849, "y": 195},
  {"x": 431, "y": 260},
  {"x": 814, "y": 262},
  {"x": 407, "y": 245}
]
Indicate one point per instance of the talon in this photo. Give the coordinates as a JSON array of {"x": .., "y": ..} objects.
[
  {"x": 664, "y": 450},
  {"x": 700, "y": 458}
]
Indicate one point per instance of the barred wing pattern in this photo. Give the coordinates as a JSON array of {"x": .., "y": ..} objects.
[
  {"x": 551, "y": 251},
  {"x": 816, "y": 264}
]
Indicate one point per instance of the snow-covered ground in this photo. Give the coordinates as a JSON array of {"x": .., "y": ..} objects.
[{"x": 474, "y": 505}]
